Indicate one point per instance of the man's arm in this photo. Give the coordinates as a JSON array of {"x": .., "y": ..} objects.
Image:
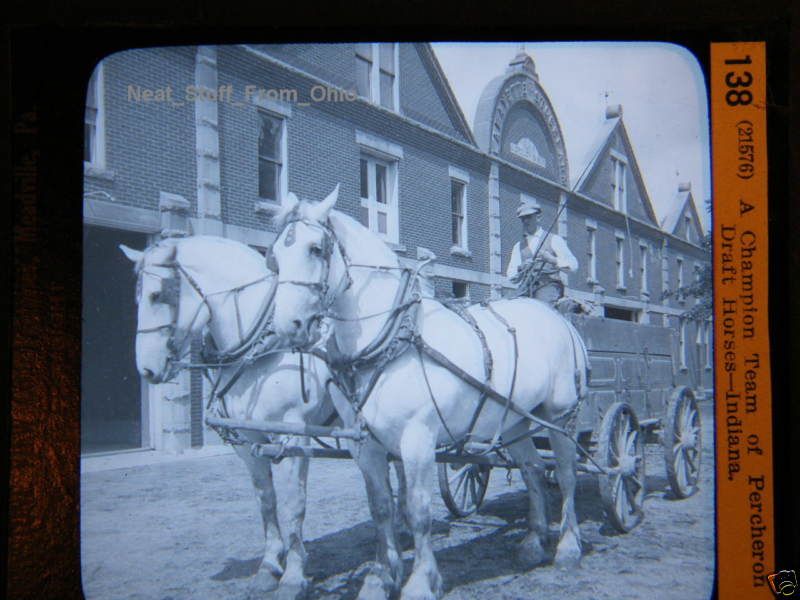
[
  {"x": 514, "y": 261},
  {"x": 565, "y": 260}
]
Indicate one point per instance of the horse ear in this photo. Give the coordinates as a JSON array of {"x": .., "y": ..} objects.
[
  {"x": 322, "y": 209},
  {"x": 133, "y": 255}
]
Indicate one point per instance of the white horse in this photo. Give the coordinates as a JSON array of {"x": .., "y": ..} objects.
[
  {"x": 330, "y": 266},
  {"x": 187, "y": 284}
]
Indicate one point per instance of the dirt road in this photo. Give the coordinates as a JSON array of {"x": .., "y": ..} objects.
[{"x": 191, "y": 529}]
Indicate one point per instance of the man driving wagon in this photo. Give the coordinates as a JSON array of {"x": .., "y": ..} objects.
[{"x": 539, "y": 258}]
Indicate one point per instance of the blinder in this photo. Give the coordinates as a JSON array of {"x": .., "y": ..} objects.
[
  {"x": 328, "y": 244},
  {"x": 170, "y": 291}
]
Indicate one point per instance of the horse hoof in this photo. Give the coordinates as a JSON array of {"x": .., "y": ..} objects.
[
  {"x": 420, "y": 595},
  {"x": 568, "y": 558},
  {"x": 415, "y": 589},
  {"x": 373, "y": 588},
  {"x": 530, "y": 553},
  {"x": 265, "y": 581},
  {"x": 292, "y": 591},
  {"x": 568, "y": 553}
]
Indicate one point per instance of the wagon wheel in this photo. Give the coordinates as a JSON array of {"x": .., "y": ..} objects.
[
  {"x": 620, "y": 450},
  {"x": 683, "y": 443},
  {"x": 463, "y": 487}
]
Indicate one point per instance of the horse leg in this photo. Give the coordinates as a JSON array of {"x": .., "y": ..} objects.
[
  {"x": 401, "y": 514},
  {"x": 568, "y": 553},
  {"x": 270, "y": 570},
  {"x": 417, "y": 449},
  {"x": 290, "y": 476},
  {"x": 385, "y": 578},
  {"x": 531, "y": 466}
]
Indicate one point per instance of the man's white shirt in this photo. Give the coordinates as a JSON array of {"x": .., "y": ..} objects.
[{"x": 565, "y": 260}]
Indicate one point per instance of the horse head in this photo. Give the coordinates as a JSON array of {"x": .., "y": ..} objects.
[
  {"x": 169, "y": 311},
  {"x": 311, "y": 267}
]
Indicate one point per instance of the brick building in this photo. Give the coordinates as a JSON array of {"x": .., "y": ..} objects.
[{"x": 210, "y": 139}]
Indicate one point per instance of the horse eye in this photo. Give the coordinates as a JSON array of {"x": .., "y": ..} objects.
[
  {"x": 154, "y": 296},
  {"x": 315, "y": 250}
]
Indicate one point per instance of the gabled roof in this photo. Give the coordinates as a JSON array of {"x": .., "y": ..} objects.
[
  {"x": 672, "y": 220},
  {"x": 598, "y": 150},
  {"x": 594, "y": 152},
  {"x": 440, "y": 80}
]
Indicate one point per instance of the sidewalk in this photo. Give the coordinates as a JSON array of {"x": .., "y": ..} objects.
[{"x": 137, "y": 458}]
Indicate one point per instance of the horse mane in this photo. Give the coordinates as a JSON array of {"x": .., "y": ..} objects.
[
  {"x": 180, "y": 246},
  {"x": 247, "y": 253},
  {"x": 361, "y": 246}
]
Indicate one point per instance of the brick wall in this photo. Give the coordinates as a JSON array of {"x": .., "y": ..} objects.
[
  {"x": 322, "y": 151},
  {"x": 334, "y": 63},
  {"x": 419, "y": 97},
  {"x": 149, "y": 145}
]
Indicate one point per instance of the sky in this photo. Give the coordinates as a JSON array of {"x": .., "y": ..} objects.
[{"x": 660, "y": 87}]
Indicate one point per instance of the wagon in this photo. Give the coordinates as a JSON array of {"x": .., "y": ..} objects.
[{"x": 632, "y": 400}]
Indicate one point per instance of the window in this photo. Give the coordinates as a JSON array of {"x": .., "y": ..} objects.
[
  {"x": 679, "y": 282},
  {"x": 620, "y": 314},
  {"x": 688, "y": 225},
  {"x": 699, "y": 342},
  {"x": 682, "y": 344},
  {"x": 460, "y": 290},
  {"x": 618, "y": 186},
  {"x": 707, "y": 326},
  {"x": 271, "y": 157},
  {"x": 387, "y": 70},
  {"x": 620, "y": 260},
  {"x": 643, "y": 257},
  {"x": 378, "y": 193},
  {"x": 458, "y": 204},
  {"x": 364, "y": 70},
  {"x": 93, "y": 123},
  {"x": 376, "y": 73},
  {"x": 591, "y": 253}
]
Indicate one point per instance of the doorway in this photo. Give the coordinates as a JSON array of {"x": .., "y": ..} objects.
[{"x": 112, "y": 407}]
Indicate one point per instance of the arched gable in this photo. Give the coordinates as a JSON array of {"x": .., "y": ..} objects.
[{"x": 516, "y": 122}]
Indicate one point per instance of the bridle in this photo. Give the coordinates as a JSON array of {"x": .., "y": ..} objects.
[
  {"x": 325, "y": 292},
  {"x": 169, "y": 294}
]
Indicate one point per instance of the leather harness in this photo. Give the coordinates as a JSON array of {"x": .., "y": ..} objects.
[
  {"x": 400, "y": 332},
  {"x": 256, "y": 343}
]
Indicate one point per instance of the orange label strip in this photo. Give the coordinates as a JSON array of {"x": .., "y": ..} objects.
[{"x": 745, "y": 524}]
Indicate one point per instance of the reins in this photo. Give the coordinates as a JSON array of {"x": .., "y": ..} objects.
[
  {"x": 401, "y": 332},
  {"x": 226, "y": 358}
]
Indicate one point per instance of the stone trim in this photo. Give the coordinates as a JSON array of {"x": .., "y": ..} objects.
[
  {"x": 117, "y": 216},
  {"x": 92, "y": 170},
  {"x": 206, "y": 120},
  {"x": 383, "y": 147},
  {"x": 616, "y": 155},
  {"x": 272, "y": 105},
  {"x": 458, "y": 173}
]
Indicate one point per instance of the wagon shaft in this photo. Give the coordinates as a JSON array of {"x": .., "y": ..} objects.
[{"x": 280, "y": 427}]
